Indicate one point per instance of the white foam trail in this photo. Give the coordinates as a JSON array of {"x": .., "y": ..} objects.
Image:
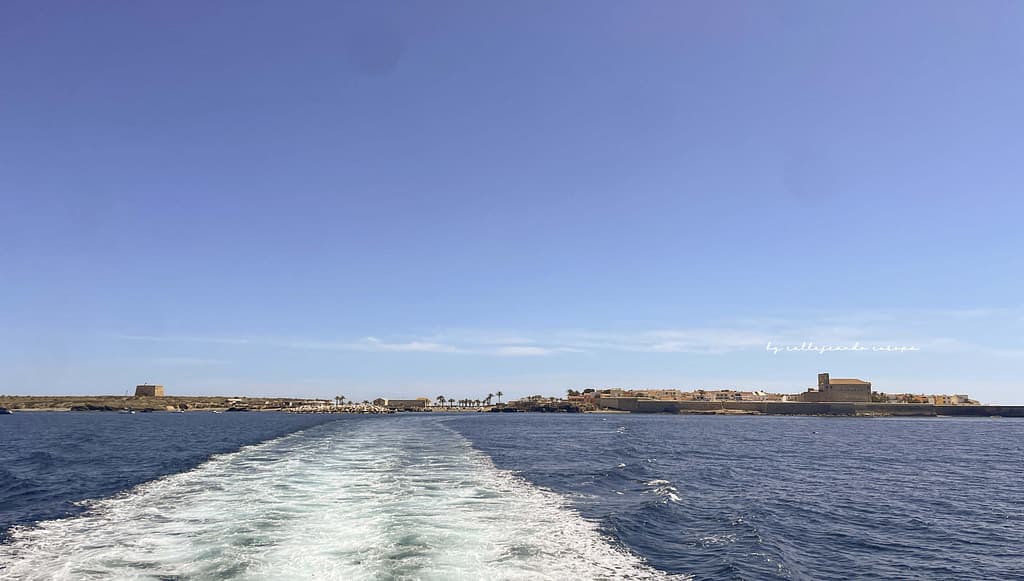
[
  {"x": 664, "y": 488},
  {"x": 374, "y": 498}
]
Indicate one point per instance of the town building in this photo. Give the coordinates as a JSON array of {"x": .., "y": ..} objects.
[
  {"x": 665, "y": 394},
  {"x": 418, "y": 404},
  {"x": 838, "y": 390},
  {"x": 957, "y": 399}
]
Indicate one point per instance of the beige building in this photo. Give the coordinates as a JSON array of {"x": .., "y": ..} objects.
[
  {"x": 670, "y": 394},
  {"x": 402, "y": 404},
  {"x": 838, "y": 390},
  {"x": 957, "y": 399},
  {"x": 146, "y": 390}
]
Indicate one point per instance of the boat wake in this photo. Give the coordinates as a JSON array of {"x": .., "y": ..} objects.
[{"x": 370, "y": 498}]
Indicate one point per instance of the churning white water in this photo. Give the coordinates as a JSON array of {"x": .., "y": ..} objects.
[{"x": 367, "y": 498}]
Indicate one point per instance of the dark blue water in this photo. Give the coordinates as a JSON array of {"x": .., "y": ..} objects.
[
  {"x": 718, "y": 497},
  {"x": 51, "y": 461},
  {"x": 784, "y": 497}
]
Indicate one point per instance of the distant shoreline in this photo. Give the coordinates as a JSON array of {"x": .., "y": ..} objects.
[
  {"x": 110, "y": 403},
  {"x": 65, "y": 403},
  {"x": 860, "y": 409}
]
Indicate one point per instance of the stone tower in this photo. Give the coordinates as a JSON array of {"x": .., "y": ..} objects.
[{"x": 146, "y": 390}]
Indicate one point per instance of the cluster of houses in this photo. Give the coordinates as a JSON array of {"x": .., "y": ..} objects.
[
  {"x": 440, "y": 403},
  {"x": 829, "y": 389},
  {"x": 937, "y": 399},
  {"x": 592, "y": 395}
]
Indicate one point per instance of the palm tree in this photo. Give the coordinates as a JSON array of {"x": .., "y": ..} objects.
[
  {"x": 487, "y": 400},
  {"x": 338, "y": 400},
  {"x": 499, "y": 394},
  {"x": 441, "y": 399},
  {"x": 478, "y": 402}
]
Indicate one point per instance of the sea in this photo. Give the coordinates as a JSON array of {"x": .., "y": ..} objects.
[{"x": 164, "y": 496}]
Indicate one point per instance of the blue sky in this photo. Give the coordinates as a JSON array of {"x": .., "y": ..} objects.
[{"x": 453, "y": 198}]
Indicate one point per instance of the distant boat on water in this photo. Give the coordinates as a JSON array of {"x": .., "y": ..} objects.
[
  {"x": 126, "y": 411},
  {"x": 5, "y": 412}
]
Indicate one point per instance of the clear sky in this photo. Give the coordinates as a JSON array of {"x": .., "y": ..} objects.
[{"x": 406, "y": 199}]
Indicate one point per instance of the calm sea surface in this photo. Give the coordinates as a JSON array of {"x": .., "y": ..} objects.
[{"x": 508, "y": 496}]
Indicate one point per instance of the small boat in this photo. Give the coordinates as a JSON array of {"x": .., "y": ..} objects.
[
  {"x": 126, "y": 411},
  {"x": 5, "y": 412},
  {"x": 217, "y": 412}
]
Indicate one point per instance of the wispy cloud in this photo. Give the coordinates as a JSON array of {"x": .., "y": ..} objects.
[
  {"x": 529, "y": 350},
  {"x": 185, "y": 339},
  {"x": 179, "y": 361},
  {"x": 364, "y": 344},
  {"x": 925, "y": 329},
  {"x": 375, "y": 344},
  {"x": 521, "y": 348}
]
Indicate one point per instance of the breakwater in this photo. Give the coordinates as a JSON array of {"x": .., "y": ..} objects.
[{"x": 637, "y": 405}]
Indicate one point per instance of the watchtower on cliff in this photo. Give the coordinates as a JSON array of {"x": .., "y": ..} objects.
[{"x": 147, "y": 390}]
